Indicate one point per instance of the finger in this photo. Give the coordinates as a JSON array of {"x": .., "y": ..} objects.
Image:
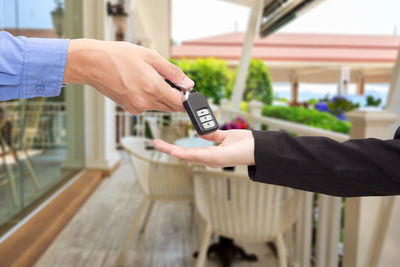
[
  {"x": 203, "y": 156},
  {"x": 168, "y": 95},
  {"x": 217, "y": 136},
  {"x": 162, "y": 146},
  {"x": 210, "y": 156},
  {"x": 163, "y": 107},
  {"x": 190, "y": 154},
  {"x": 170, "y": 71}
]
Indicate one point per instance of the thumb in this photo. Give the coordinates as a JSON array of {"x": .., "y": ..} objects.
[
  {"x": 217, "y": 136},
  {"x": 170, "y": 71}
]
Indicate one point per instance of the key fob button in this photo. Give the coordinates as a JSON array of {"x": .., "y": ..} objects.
[
  {"x": 205, "y": 118},
  {"x": 203, "y": 112},
  {"x": 208, "y": 125}
]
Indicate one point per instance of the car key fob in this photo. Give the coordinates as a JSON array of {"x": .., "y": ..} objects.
[{"x": 199, "y": 111}]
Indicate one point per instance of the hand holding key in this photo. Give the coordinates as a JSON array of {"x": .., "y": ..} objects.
[
  {"x": 132, "y": 76},
  {"x": 197, "y": 108}
]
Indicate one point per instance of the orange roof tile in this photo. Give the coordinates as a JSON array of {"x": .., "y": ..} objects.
[{"x": 296, "y": 47}]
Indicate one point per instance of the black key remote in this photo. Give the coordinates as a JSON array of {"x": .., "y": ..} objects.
[{"x": 199, "y": 111}]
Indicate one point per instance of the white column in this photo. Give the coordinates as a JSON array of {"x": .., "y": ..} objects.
[
  {"x": 363, "y": 214},
  {"x": 393, "y": 98},
  {"x": 255, "y": 109},
  {"x": 304, "y": 231},
  {"x": 75, "y": 136},
  {"x": 344, "y": 80},
  {"x": 100, "y": 126},
  {"x": 240, "y": 81},
  {"x": 74, "y": 103},
  {"x": 294, "y": 88},
  {"x": 387, "y": 249},
  {"x": 151, "y": 24},
  {"x": 328, "y": 231}
]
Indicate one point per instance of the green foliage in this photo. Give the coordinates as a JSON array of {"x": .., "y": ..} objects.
[
  {"x": 258, "y": 83},
  {"x": 339, "y": 105},
  {"x": 282, "y": 99},
  {"x": 244, "y": 107},
  {"x": 373, "y": 102},
  {"x": 312, "y": 101},
  {"x": 310, "y": 117},
  {"x": 209, "y": 74},
  {"x": 326, "y": 98}
]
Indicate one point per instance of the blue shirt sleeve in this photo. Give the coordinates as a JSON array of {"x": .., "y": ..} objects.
[{"x": 31, "y": 67}]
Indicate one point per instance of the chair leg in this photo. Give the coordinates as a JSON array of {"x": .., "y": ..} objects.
[
  {"x": 205, "y": 240},
  {"x": 31, "y": 172},
  {"x": 146, "y": 217},
  {"x": 132, "y": 231},
  {"x": 282, "y": 251},
  {"x": 13, "y": 189},
  {"x": 192, "y": 214}
]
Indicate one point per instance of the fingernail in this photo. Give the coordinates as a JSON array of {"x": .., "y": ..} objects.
[{"x": 188, "y": 82}]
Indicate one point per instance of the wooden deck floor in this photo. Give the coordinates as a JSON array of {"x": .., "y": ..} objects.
[{"x": 95, "y": 236}]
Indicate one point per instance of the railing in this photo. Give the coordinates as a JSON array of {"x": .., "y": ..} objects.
[
  {"x": 51, "y": 128},
  {"x": 318, "y": 230},
  {"x": 326, "y": 248},
  {"x": 152, "y": 121}
]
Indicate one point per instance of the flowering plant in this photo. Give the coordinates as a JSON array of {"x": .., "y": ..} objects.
[{"x": 238, "y": 123}]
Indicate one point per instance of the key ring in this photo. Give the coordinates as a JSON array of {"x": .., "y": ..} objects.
[
  {"x": 181, "y": 87},
  {"x": 184, "y": 88}
]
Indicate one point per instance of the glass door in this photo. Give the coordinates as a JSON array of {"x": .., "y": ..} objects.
[{"x": 41, "y": 139}]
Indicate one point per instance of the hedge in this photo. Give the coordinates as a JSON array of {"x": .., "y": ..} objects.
[
  {"x": 258, "y": 83},
  {"x": 310, "y": 117},
  {"x": 215, "y": 80},
  {"x": 210, "y": 75}
]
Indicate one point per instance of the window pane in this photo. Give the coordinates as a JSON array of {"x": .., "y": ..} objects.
[{"x": 36, "y": 155}]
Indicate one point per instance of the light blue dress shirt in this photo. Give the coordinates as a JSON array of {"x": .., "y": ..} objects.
[{"x": 31, "y": 67}]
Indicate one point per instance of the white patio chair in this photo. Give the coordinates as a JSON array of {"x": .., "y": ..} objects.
[
  {"x": 159, "y": 180},
  {"x": 168, "y": 131},
  {"x": 231, "y": 205}
]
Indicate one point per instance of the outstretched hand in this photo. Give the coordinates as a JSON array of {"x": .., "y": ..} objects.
[
  {"x": 130, "y": 75},
  {"x": 236, "y": 147}
]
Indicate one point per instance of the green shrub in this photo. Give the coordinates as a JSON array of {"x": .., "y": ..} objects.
[
  {"x": 209, "y": 74},
  {"x": 312, "y": 101},
  {"x": 339, "y": 105},
  {"x": 310, "y": 117},
  {"x": 372, "y": 101},
  {"x": 258, "y": 83}
]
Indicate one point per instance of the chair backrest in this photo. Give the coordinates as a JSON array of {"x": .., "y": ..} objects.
[
  {"x": 25, "y": 122},
  {"x": 161, "y": 179},
  {"x": 168, "y": 130},
  {"x": 154, "y": 129},
  {"x": 236, "y": 207}
]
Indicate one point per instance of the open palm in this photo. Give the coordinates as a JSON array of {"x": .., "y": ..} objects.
[{"x": 236, "y": 147}]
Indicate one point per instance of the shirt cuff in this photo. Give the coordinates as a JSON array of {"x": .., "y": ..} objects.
[{"x": 43, "y": 67}]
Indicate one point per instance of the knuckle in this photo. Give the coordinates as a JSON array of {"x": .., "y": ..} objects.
[
  {"x": 152, "y": 53},
  {"x": 149, "y": 87},
  {"x": 175, "y": 71},
  {"x": 142, "y": 106}
]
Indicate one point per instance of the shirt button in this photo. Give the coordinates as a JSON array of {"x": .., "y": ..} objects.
[{"x": 39, "y": 88}]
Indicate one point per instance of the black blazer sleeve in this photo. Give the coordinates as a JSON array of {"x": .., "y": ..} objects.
[{"x": 359, "y": 167}]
